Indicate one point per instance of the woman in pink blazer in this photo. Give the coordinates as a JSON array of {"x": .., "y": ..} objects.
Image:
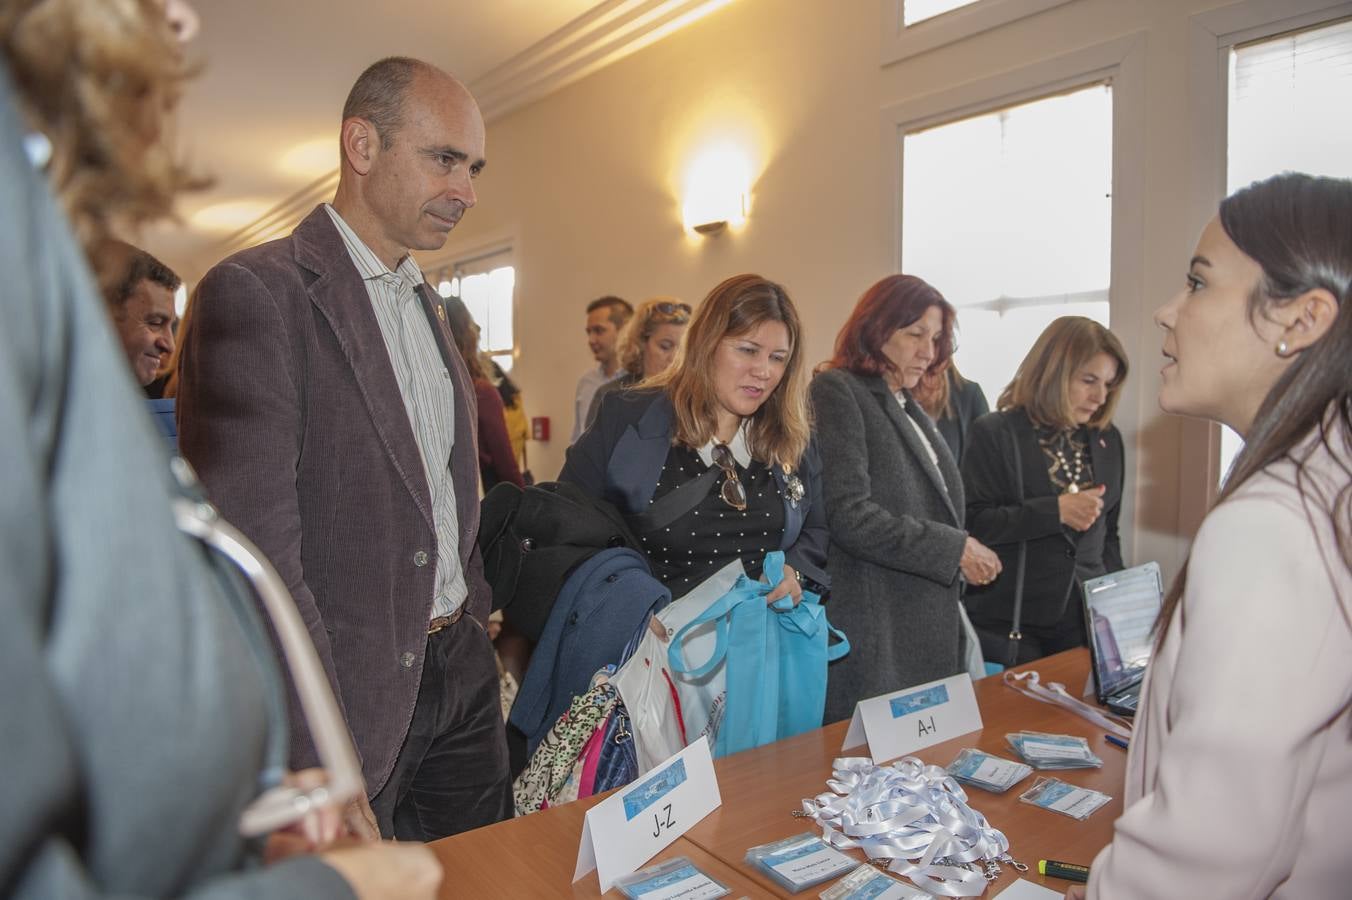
[{"x": 1239, "y": 781}]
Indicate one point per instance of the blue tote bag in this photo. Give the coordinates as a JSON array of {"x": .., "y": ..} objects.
[{"x": 774, "y": 657}]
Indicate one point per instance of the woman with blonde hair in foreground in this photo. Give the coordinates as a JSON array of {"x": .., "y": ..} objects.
[
  {"x": 1239, "y": 779},
  {"x": 143, "y": 712}
]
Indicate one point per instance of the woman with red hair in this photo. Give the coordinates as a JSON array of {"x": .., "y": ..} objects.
[{"x": 894, "y": 500}]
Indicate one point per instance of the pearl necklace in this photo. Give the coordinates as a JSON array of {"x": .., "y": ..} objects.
[{"x": 1073, "y": 486}]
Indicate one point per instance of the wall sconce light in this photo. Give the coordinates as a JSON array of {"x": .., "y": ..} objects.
[{"x": 716, "y": 190}]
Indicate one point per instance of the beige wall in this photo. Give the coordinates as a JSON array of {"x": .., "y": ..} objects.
[{"x": 585, "y": 184}]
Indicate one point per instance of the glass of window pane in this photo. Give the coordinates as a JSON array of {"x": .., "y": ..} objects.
[
  {"x": 1278, "y": 86},
  {"x": 913, "y": 11},
  {"x": 1009, "y": 215}
]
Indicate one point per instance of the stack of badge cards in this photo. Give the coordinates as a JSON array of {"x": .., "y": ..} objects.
[
  {"x": 990, "y": 773},
  {"x": 669, "y": 880},
  {"x": 1066, "y": 799},
  {"x": 1053, "y": 751},
  {"x": 800, "y": 862},
  {"x": 869, "y": 883}
]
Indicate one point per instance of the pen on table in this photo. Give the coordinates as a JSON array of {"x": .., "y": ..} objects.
[
  {"x": 1063, "y": 870},
  {"x": 1116, "y": 741}
]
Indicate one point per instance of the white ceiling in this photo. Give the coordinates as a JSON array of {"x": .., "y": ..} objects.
[{"x": 275, "y": 73}]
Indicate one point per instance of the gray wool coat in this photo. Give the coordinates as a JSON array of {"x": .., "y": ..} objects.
[
  {"x": 896, "y": 531},
  {"x": 133, "y": 719}
]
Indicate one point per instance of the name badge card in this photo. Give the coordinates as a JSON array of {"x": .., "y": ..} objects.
[
  {"x": 627, "y": 829},
  {"x": 906, "y": 721}
]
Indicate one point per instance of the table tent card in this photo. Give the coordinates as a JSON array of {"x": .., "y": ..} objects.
[
  {"x": 915, "y": 718},
  {"x": 630, "y": 827},
  {"x": 1022, "y": 889}
]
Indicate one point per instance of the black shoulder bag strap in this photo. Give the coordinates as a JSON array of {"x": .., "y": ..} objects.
[
  {"x": 1015, "y": 635},
  {"x": 674, "y": 504}
]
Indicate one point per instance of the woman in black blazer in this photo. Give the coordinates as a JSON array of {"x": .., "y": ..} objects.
[
  {"x": 709, "y": 461},
  {"x": 954, "y": 403},
  {"x": 1046, "y": 471}
]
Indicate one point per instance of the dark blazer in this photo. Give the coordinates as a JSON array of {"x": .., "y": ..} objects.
[
  {"x": 896, "y": 524},
  {"x": 289, "y": 409},
  {"x": 533, "y": 538},
  {"x": 1000, "y": 520},
  {"x": 620, "y": 459},
  {"x": 967, "y": 404},
  {"x": 600, "y": 609}
]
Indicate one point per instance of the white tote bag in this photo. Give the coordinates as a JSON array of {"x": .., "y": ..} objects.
[
  {"x": 662, "y": 723},
  {"x": 972, "y": 660}
]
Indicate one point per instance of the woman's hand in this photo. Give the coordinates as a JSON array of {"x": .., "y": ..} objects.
[
  {"x": 360, "y": 819},
  {"x": 1080, "y": 510},
  {"x": 388, "y": 870},
  {"x": 1076, "y": 892},
  {"x": 319, "y": 829},
  {"x": 788, "y": 586},
  {"x": 979, "y": 563}
]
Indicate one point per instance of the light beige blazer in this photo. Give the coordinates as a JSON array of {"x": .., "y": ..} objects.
[{"x": 1239, "y": 780}]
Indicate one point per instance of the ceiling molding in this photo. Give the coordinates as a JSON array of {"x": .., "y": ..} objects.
[
  {"x": 606, "y": 34},
  {"x": 603, "y": 35}
]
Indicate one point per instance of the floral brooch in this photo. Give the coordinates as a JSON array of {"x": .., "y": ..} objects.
[{"x": 793, "y": 487}]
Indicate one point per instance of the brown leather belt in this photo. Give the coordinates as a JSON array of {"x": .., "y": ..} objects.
[{"x": 441, "y": 622}]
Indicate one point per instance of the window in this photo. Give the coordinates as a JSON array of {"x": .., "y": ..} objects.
[
  {"x": 487, "y": 286},
  {"x": 917, "y": 26},
  {"x": 1009, "y": 215},
  {"x": 913, "y": 11},
  {"x": 1288, "y": 97}
]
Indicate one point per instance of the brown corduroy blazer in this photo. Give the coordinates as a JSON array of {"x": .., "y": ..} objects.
[{"x": 289, "y": 410}]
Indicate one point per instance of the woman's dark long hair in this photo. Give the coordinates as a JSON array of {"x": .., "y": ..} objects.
[
  {"x": 1298, "y": 229},
  {"x": 463, "y": 331}
]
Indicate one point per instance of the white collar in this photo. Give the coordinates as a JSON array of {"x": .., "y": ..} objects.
[
  {"x": 737, "y": 445},
  {"x": 368, "y": 264}
]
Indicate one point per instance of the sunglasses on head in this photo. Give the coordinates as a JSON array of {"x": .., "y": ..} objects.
[
  {"x": 672, "y": 309},
  {"x": 732, "y": 492}
]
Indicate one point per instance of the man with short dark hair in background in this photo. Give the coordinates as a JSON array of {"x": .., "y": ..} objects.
[
  {"x": 605, "y": 317},
  {"x": 324, "y": 404},
  {"x": 141, "y": 301}
]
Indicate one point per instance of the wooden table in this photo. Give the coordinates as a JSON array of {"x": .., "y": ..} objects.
[{"x": 534, "y": 856}]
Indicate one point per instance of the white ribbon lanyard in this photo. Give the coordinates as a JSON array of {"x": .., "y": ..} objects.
[
  {"x": 914, "y": 815},
  {"x": 1052, "y": 692}
]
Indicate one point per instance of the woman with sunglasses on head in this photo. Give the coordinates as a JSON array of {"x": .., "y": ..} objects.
[
  {"x": 646, "y": 346},
  {"x": 1239, "y": 778},
  {"x": 1045, "y": 473},
  {"x": 709, "y": 460},
  {"x": 894, "y": 499},
  {"x": 143, "y": 714}
]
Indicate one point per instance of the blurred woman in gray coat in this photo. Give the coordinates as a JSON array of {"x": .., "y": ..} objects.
[{"x": 894, "y": 501}]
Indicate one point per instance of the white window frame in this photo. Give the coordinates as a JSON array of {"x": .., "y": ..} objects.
[
  {"x": 1211, "y": 36},
  {"x": 901, "y": 40},
  {"x": 1121, "y": 62},
  {"x": 446, "y": 263}
]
